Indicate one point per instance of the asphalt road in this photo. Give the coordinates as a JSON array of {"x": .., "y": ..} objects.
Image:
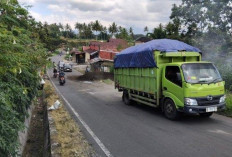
[{"x": 141, "y": 131}]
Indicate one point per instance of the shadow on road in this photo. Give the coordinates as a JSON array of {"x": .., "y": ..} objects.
[{"x": 184, "y": 119}]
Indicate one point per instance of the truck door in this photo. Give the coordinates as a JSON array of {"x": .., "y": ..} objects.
[{"x": 172, "y": 85}]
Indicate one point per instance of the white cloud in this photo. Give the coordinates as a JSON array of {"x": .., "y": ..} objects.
[
  {"x": 135, "y": 13},
  {"x": 27, "y": 1}
]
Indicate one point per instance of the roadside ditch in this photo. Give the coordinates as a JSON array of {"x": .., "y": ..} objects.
[{"x": 54, "y": 133}]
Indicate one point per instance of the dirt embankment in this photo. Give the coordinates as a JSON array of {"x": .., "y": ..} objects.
[{"x": 93, "y": 76}]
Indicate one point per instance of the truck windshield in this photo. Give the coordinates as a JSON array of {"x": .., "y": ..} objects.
[{"x": 200, "y": 73}]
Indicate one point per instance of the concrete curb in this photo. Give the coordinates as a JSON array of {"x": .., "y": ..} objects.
[{"x": 24, "y": 134}]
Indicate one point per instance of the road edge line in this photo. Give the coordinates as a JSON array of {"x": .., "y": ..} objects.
[{"x": 96, "y": 139}]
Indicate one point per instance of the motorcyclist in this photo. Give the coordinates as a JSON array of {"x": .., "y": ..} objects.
[
  {"x": 61, "y": 77},
  {"x": 55, "y": 72},
  {"x": 61, "y": 73}
]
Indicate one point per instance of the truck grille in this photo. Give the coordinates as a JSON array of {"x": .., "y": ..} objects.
[{"x": 205, "y": 102}]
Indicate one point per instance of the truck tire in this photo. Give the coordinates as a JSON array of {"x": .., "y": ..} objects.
[
  {"x": 125, "y": 98},
  {"x": 170, "y": 110},
  {"x": 206, "y": 115}
]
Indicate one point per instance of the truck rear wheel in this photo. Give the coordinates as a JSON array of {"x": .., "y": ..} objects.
[
  {"x": 125, "y": 98},
  {"x": 207, "y": 114},
  {"x": 170, "y": 110}
]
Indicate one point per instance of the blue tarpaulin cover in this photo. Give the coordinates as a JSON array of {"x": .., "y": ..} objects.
[{"x": 141, "y": 56}]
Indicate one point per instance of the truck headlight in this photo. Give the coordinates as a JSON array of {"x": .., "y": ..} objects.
[
  {"x": 222, "y": 99},
  {"x": 191, "y": 102}
]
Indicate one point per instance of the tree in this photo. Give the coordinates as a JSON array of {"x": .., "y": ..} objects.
[
  {"x": 123, "y": 34},
  {"x": 54, "y": 30},
  {"x": 96, "y": 26},
  {"x": 113, "y": 28},
  {"x": 131, "y": 33},
  {"x": 79, "y": 27},
  {"x": 68, "y": 32},
  {"x": 207, "y": 25},
  {"x": 61, "y": 27},
  {"x": 173, "y": 29},
  {"x": 87, "y": 31},
  {"x": 201, "y": 18},
  {"x": 146, "y": 30},
  {"x": 103, "y": 34},
  {"x": 159, "y": 32}
]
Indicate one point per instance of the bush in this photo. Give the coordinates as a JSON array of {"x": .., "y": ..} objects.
[
  {"x": 226, "y": 73},
  {"x": 22, "y": 56},
  {"x": 228, "y": 111},
  {"x": 9, "y": 126}
]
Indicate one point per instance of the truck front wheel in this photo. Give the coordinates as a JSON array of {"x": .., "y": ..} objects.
[
  {"x": 170, "y": 110},
  {"x": 125, "y": 98}
]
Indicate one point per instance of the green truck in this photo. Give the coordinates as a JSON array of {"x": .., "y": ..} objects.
[{"x": 169, "y": 74}]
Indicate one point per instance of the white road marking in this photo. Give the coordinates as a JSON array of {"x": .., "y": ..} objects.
[
  {"x": 97, "y": 140},
  {"x": 220, "y": 132},
  {"x": 91, "y": 93},
  {"x": 84, "y": 90},
  {"x": 88, "y": 82}
]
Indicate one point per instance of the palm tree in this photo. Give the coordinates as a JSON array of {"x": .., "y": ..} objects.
[
  {"x": 61, "y": 27},
  {"x": 104, "y": 32},
  {"x": 113, "y": 28},
  {"x": 146, "y": 29},
  {"x": 96, "y": 26},
  {"x": 68, "y": 29},
  {"x": 79, "y": 26},
  {"x": 131, "y": 32}
]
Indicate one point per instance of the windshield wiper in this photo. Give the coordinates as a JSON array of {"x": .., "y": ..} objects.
[
  {"x": 205, "y": 82},
  {"x": 199, "y": 82},
  {"x": 214, "y": 81}
]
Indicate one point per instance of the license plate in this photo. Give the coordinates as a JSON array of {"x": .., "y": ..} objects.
[{"x": 211, "y": 109}]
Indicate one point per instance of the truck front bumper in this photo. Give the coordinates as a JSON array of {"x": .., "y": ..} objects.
[{"x": 200, "y": 109}]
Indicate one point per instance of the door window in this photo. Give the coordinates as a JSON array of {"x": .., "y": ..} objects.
[{"x": 173, "y": 74}]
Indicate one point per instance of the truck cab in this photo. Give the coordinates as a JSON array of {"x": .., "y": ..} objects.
[{"x": 193, "y": 88}]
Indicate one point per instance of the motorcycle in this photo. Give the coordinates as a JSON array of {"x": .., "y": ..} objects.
[{"x": 62, "y": 80}]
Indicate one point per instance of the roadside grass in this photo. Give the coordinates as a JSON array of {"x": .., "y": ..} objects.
[
  {"x": 228, "y": 111},
  {"x": 67, "y": 136}
]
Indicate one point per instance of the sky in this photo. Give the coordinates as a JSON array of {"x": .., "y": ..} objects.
[{"x": 126, "y": 13}]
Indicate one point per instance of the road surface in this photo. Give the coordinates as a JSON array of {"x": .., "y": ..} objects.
[{"x": 138, "y": 130}]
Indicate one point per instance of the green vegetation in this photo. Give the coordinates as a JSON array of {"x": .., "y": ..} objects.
[
  {"x": 228, "y": 111},
  {"x": 67, "y": 56},
  {"x": 85, "y": 31},
  {"x": 22, "y": 56},
  {"x": 24, "y": 43}
]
